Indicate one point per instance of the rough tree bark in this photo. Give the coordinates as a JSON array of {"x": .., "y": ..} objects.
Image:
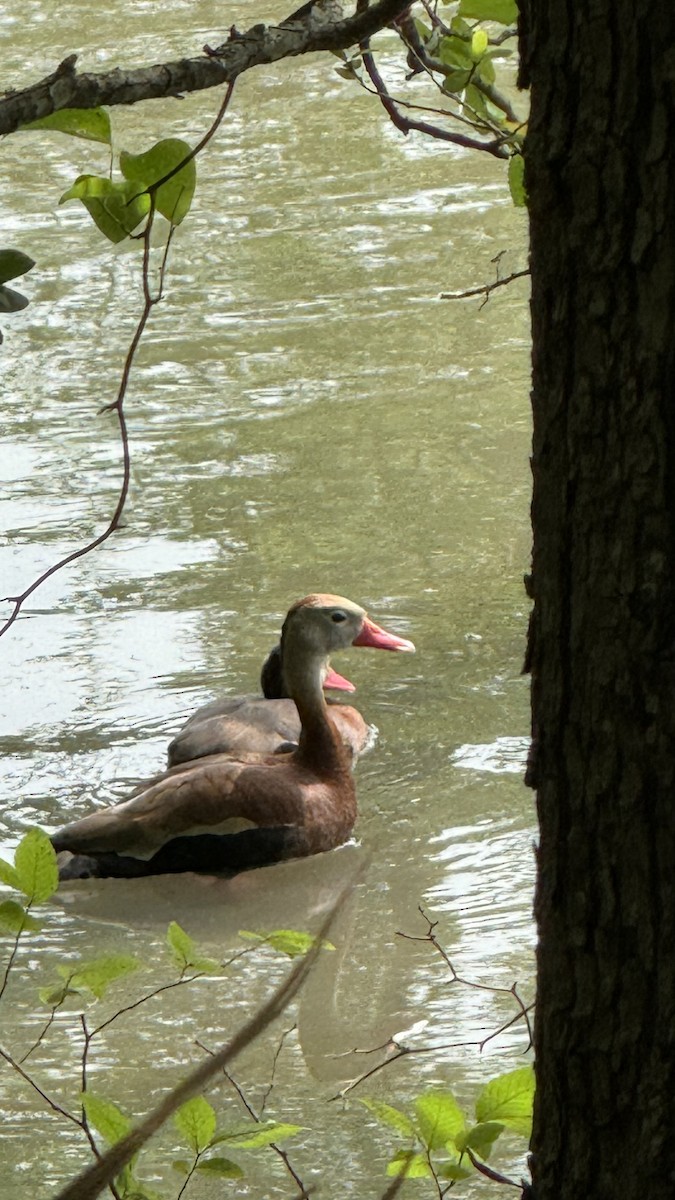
[
  {"x": 302, "y": 33},
  {"x": 601, "y": 180}
]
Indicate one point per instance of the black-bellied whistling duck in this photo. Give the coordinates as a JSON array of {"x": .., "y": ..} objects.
[
  {"x": 263, "y": 725},
  {"x": 223, "y": 813}
]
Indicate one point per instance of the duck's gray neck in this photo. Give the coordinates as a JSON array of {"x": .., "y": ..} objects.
[{"x": 319, "y": 745}]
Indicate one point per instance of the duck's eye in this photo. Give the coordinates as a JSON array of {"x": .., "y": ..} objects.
[{"x": 338, "y": 616}]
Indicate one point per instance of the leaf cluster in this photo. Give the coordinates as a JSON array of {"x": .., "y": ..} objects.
[
  {"x": 440, "y": 1139},
  {"x": 165, "y": 174}
]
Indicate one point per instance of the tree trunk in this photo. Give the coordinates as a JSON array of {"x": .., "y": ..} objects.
[{"x": 601, "y": 181}]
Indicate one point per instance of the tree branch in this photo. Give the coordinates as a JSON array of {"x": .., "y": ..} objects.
[{"x": 261, "y": 44}]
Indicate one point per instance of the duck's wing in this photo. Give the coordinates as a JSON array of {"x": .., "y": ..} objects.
[
  {"x": 245, "y": 725},
  {"x": 216, "y": 795}
]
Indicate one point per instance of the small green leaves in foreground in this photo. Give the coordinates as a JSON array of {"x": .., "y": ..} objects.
[
  {"x": 88, "y": 979},
  {"x": 92, "y": 124},
  {"x": 12, "y": 263},
  {"x": 35, "y": 872},
  {"x": 504, "y": 11},
  {"x": 196, "y": 1122},
  {"x": 116, "y": 208},
  {"x": 509, "y": 1099},
  {"x": 291, "y": 942},
  {"x": 517, "y": 180},
  {"x": 106, "y": 1118},
  {"x": 184, "y": 952},
  {"x": 441, "y": 1128},
  {"x": 173, "y": 198},
  {"x": 112, "y": 1124}
]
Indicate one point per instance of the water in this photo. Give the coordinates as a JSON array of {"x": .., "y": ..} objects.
[{"x": 305, "y": 415}]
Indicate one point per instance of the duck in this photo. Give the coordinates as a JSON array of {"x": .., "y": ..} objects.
[
  {"x": 226, "y": 813},
  {"x": 264, "y": 725}
]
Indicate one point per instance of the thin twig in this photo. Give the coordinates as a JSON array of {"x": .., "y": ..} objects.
[
  {"x": 166, "y": 987},
  {"x": 43, "y": 1032},
  {"x": 57, "y": 1108},
  {"x": 268, "y": 1091},
  {"x": 408, "y": 125},
  {"x": 117, "y": 405},
  {"x": 258, "y": 1119},
  {"x": 487, "y": 288}
]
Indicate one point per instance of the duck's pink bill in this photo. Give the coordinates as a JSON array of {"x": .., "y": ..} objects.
[
  {"x": 337, "y": 682},
  {"x": 373, "y": 635}
]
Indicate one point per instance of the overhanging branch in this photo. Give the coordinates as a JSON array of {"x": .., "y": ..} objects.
[{"x": 261, "y": 44}]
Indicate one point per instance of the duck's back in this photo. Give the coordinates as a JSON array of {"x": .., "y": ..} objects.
[{"x": 236, "y": 725}]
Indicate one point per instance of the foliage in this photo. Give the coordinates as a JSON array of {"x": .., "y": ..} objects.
[
  {"x": 12, "y": 264},
  {"x": 79, "y": 987},
  {"x": 286, "y": 941},
  {"x": 460, "y": 53},
  {"x": 92, "y": 124},
  {"x": 119, "y": 208},
  {"x": 440, "y": 1140}
]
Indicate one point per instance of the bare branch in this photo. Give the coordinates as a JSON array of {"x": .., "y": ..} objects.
[
  {"x": 408, "y": 124},
  {"x": 260, "y": 45},
  {"x": 57, "y": 1108},
  {"x": 486, "y": 289}
]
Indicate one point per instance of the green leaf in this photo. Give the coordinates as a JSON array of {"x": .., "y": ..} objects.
[
  {"x": 508, "y": 1100},
  {"x": 288, "y": 941},
  {"x": 224, "y": 1167},
  {"x": 485, "y": 71},
  {"x": 9, "y": 875},
  {"x": 455, "y": 52},
  {"x": 517, "y": 180},
  {"x": 182, "y": 1165},
  {"x": 15, "y": 919},
  {"x": 423, "y": 30},
  {"x": 476, "y": 100},
  {"x": 173, "y": 198},
  {"x": 11, "y": 300},
  {"x": 196, "y": 1120},
  {"x": 392, "y": 1117},
  {"x": 480, "y": 1138},
  {"x": 439, "y": 1118},
  {"x": 479, "y": 44},
  {"x": 14, "y": 263},
  {"x": 35, "y": 864},
  {"x": 180, "y": 944},
  {"x": 55, "y": 994},
  {"x": 131, "y": 1188},
  {"x": 184, "y": 952},
  {"x": 456, "y": 81},
  {"x": 504, "y": 11},
  {"x": 410, "y": 1164},
  {"x": 97, "y": 975},
  {"x": 116, "y": 208},
  {"x": 453, "y": 1170},
  {"x": 262, "y": 1134},
  {"x": 105, "y": 1117},
  {"x": 93, "y": 124}
]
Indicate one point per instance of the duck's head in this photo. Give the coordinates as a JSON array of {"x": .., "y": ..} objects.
[{"x": 321, "y": 624}]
